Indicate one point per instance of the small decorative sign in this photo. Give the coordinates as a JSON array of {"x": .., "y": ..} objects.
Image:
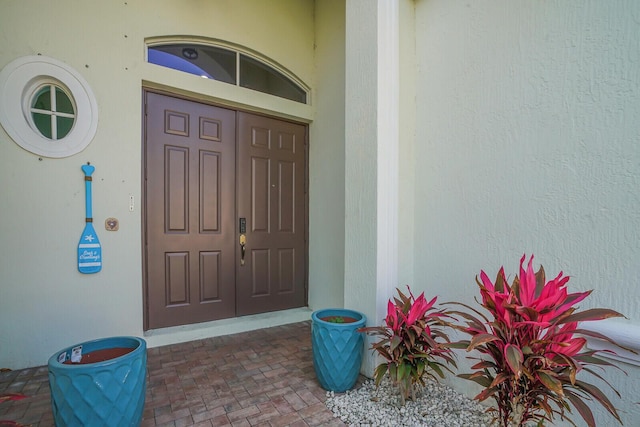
[
  {"x": 111, "y": 224},
  {"x": 89, "y": 248}
]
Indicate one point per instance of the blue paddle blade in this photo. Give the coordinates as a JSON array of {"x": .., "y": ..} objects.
[{"x": 89, "y": 251}]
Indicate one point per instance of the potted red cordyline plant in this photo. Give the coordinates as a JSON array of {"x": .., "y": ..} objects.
[
  {"x": 412, "y": 343},
  {"x": 531, "y": 348}
]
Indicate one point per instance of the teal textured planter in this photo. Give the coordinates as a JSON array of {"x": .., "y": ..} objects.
[
  {"x": 337, "y": 348},
  {"x": 104, "y": 393}
]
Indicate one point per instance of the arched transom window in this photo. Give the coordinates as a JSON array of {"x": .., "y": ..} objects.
[{"x": 228, "y": 66}]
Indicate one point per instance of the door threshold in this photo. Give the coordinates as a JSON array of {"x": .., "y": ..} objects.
[{"x": 184, "y": 333}]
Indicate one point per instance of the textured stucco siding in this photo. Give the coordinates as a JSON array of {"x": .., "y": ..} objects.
[{"x": 527, "y": 141}]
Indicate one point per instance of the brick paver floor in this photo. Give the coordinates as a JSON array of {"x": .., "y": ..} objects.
[{"x": 258, "y": 378}]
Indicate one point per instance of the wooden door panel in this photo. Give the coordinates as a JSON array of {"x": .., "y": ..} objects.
[
  {"x": 286, "y": 270},
  {"x": 261, "y": 276},
  {"x": 210, "y": 269},
  {"x": 200, "y": 177},
  {"x": 177, "y": 278},
  {"x": 190, "y": 211},
  {"x": 286, "y": 197},
  {"x": 271, "y": 195},
  {"x": 176, "y": 202},
  {"x": 260, "y": 194}
]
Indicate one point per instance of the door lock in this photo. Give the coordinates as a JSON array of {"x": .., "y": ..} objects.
[{"x": 243, "y": 242}]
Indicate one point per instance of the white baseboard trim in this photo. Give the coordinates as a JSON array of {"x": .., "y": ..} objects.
[{"x": 179, "y": 334}]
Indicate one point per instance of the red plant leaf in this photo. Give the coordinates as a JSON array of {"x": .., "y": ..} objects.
[
  {"x": 483, "y": 364},
  {"x": 597, "y": 375},
  {"x": 481, "y": 339},
  {"x": 6, "y": 423},
  {"x": 592, "y": 314},
  {"x": 12, "y": 396},
  {"x": 485, "y": 394},
  {"x": 589, "y": 358},
  {"x": 500, "y": 378},
  {"x": 598, "y": 335},
  {"x": 474, "y": 320},
  {"x": 582, "y": 408},
  {"x": 599, "y": 396}
]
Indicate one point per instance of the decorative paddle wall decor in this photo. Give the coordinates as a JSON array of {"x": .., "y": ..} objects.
[{"x": 89, "y": 249}]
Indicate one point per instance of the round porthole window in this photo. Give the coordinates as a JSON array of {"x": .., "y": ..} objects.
[
  {"x": 46, "y": 107},
  {"x": 51, "y": 111}
]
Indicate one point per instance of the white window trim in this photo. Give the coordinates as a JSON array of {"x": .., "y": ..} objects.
[{"x": 17, "y": 82}]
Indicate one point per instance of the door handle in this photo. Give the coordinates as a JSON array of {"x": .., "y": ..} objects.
[
  {"x": 243, "y": 242},
  {"x": 242, "y": 223}
]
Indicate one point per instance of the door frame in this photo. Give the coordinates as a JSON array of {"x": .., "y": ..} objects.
[{"x": 143, "y": 213}]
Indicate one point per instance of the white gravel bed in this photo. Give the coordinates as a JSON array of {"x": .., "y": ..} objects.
[{"x": 436, "y": 405}]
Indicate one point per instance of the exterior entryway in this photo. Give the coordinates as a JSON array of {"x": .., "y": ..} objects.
[{"x": 225, "y": 212}]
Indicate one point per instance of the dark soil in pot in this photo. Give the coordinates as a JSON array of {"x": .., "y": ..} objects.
[
  {"x": 339, "y": 319},
  {"x": 101, "y": 355}
]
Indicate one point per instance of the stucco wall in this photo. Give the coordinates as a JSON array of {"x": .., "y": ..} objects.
[
  {"x": 527, "y": 142},
  {"x": 326, "y": 160},
  {"x": 45, "y": 303}
]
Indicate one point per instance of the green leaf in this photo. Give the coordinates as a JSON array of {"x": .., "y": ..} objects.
[
  {"x": 393, "y": 371},
  {"x": 589, "y": 358},
  {"x": 395, "y": 342},
  {"x": 549, "y": 380},
  {"x": 514, "y": 358},
  {"x": 461, "y": 345},
  {"x": 403, "y": 371},
  {"x": 500, "y": 282},
  {"x": 436, "y": 368},
  {"x": 540, "y": 281},
  {"x": 379, "y": 372},
  {"x": 481, "y": 379}
]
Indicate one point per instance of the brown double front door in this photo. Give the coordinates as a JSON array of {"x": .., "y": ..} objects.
[{"x": 225, "y": 212}]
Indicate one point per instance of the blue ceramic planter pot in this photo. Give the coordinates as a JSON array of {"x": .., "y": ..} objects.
[
  {"x": 104, "y": 393},
  {"x": 337, "y": 348}
]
